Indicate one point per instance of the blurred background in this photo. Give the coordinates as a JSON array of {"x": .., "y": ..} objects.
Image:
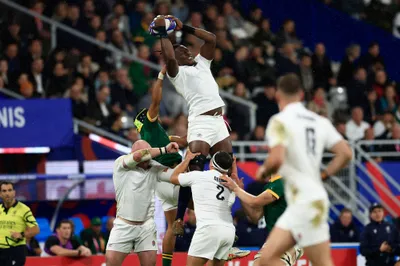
[{"x": 73, "y": 75}]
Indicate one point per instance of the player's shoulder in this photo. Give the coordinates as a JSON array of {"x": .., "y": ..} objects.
[{"x": 23, "y": 207}]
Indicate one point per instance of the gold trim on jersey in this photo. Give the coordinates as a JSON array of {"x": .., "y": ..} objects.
[
  {"x": 275, "y": 177},
  {"x": 151, "y": 119},
  {"x": 273, "y": 193}
]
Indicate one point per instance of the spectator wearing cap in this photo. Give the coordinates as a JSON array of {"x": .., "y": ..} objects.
[
  {"x": 93, "y": 238},
  {"x": 379, "y": 241},
  {"x": 344, "y": 230}
]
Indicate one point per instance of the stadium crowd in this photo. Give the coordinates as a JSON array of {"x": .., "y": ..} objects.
[{"x": 107, "y": 89}]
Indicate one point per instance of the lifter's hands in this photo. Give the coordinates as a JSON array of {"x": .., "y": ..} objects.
[
  {"x": 235, "y": 176},
  {"x": 16, "y": 235},
  {"x": 228, "y": 182},
  {"x": 190, "y": 156},
  {"x": 172, "y": 147},
  {"x": 160, "y": 21}
]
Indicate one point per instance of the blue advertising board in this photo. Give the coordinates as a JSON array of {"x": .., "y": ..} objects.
[{"x": 36, "y": 123}]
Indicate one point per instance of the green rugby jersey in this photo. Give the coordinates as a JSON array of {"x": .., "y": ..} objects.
[
  {"x": 152, "y": 132},
  {"x": 275, "y": 209}
]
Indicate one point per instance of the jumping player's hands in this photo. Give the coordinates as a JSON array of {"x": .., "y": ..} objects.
[
  {"x": 260, "y": 173},
  {"x": 172, "y": 147},
  {"x": 235, "y": 176},
  {"x": 160, "y": 21},
  {"x": 226, "y": 181},
  {"x": 179, "y": 23},
  {"x": 164, "y": 69}
]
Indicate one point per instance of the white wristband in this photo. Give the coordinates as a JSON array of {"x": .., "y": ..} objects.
[{"x": 161, "y": 76}]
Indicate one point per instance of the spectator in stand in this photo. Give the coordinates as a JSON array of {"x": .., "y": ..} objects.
[
  {"x": 241, "y": 66},
  {"x": 122, "y": 19},
  {"x": 344, "y": 230},
  {"x": 380, "y": 82},
  {"x": 35, "y": 51},
  {"x": 119, "y": 42},
  {"x": 79, "y": 107},
  {"x": 260, "y": 72},
  {"x": 34, "y": 27},
  {"x": 288, "y": 35},
  {"x": 101, "y": 55},
  {"x": 139, "y": 74},
  {"x": 109, "y": 226},
  {"x": 372, "y": 57},
  {"x": 11, "y": 35},
  {"x": 238, "y": 114},
  {"x": 73, "y": 20},
  {"x": 210, "y": 18},
  {"x": 102, "y": 78},
  {"x": 237, "y": 26},
  {"x": 319, "y": 104},
  {"x": 322, "y": 69},
  {"x": 11, "y": 55},
  {"x": 286, "y": 61},
  {"x": 306, "y": 74},
  {"x": 99, "y": 111},
  {"x": 357, "y": 88},
  {"x": 348, "y": 65},
  {"x": 26, "y": 87},
  {"x": 87, "y": 70},
  {"x": 379, "y": 241},
  {"x": 372, "y": 109},
  {"x": 356, "y": 126},
  {"x": 341, "y": 128},
  {"x": 180, "y": 10},
  {"x": 61, "y": 12},
  {"x": 88, "y": 10},
  {"x": 258, "y": 135},
  {"x": 141, "y": 32},
  {"x": 63, "y": 244},
  {"x": 267, "y": 105},
  {"x": 389, "y": 101},
  {"x": 93, "y": 238},
  {"x": 196, "y": 20},
  {"x": 183, "y": 243},
  {"x": 369, "y": 135},
  {"x": 383, "y": 126},
  {"x": 4, "y": 75},
  {"x": 122, "y": 94},
  {"x": 58, "y": 83},
  {"x": 32, "y": 247},
  {"x": 94, "y": 26},
  {"x": 264, "y": 36},
  {"x": 37, "y": 78},
  {"x": 393, "y": 147}
]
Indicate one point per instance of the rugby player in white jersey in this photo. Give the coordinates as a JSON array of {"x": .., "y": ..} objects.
[
  {"x": 192, "y": 78},
  {"x": 215, "y": 232},
  {"x": 297, "y": 138},
  {"x": 135, "y": 176}
]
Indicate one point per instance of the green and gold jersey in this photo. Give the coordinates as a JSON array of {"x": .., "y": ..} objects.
[
  {"x": 152, "y": 132},
  {"x": 14, "y": 219},
  {"x": 275, "y": 209}
]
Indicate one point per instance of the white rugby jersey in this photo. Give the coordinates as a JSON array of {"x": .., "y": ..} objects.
[
  {"x": 210, "y": 198},
  {"x": 305, "y": 135},
  {"x": 197, "y": 85},
  {"x": 135, "y": 190}
]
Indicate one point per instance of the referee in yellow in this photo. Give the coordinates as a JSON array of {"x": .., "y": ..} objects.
[{"x": 16, "y": 223}]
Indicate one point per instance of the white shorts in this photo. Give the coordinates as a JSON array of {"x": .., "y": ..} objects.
[
  {"x": 207, "y": 128},
  {"x": 168, "y": 195},
  {"x": 126, "y": 237},
  {"x": 308, "y": 222},
  {"x": 211, "y": 242}
]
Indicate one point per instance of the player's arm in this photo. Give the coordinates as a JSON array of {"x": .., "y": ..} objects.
[
  {"x": 131, "y": 160},
  {"x": 167, "y": 49},
  {"x": 53, "y": 244},
  {"x": 156, "y": 96},
  {"x": 182, "y": 141},
  {"x": 338, "y": 146},
  {"x": 178, "y": 177},
  {"x": 207, "y": 50}
]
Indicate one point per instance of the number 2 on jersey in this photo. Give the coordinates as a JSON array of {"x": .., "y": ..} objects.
[
  {"x": 218, "y": 196},
  {"x": 310, "y": 140}
]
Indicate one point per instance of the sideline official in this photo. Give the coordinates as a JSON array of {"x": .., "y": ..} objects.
[{"x": 16, "y": 223}]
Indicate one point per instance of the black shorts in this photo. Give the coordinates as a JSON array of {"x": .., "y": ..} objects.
[{"x": 13, "y": 256}]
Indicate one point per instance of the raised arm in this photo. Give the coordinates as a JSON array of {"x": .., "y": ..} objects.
[
  {"x": 167, "y": 49},
  {"x": 131, "y": 160},
  {"x": 156, "y": 96},
  {"x": 182, "y": 167},
  {"x": 182, "y": 141},
  {"x": 207, "y": 50}
]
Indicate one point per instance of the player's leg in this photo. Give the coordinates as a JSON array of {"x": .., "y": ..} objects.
[
  {"x": 226, "y": 238},
  {"x": 216, "y": 262},
  {"x": 147, "y": 258},
  {"x": 223, "y": 145},
  {"x": 120, "y": 242},
  {"x": 195, "y": 261},
  {"x": 278, "y": 242},
  {"x": 168, "y": 244},
  {"x": 185, "y": 193},
  {"x": 319, "y": 254}
]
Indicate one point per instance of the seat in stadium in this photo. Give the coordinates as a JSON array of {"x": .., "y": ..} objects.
[
  {"x": 78, "y": 225},
  {"x": 45, "y": 230}
]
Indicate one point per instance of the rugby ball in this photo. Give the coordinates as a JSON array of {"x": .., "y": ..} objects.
[{"x": 170, "y": 26}]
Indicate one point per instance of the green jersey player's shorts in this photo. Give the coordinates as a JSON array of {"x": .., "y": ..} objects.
[{"x": 151, "y": 131}]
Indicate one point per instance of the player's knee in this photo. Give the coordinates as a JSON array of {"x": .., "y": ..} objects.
[{"x": 198, "y": 163}]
